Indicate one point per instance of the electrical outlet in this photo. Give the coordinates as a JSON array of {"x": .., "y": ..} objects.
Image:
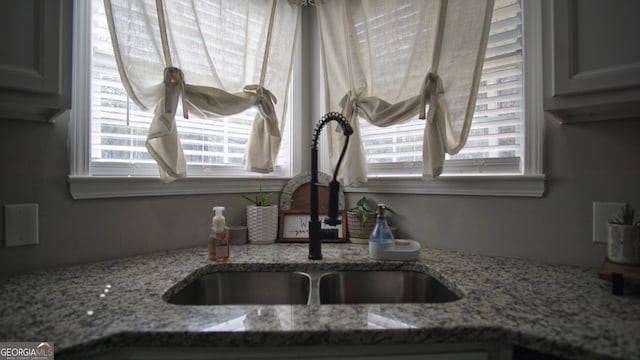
[
  {"x": 602, "y": 212},
  {"x": 20, "y": 224}
]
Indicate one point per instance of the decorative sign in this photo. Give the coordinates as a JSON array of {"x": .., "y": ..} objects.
[
  {"x": 294, "y": 226},
  {"x": 295, "y": 195}
]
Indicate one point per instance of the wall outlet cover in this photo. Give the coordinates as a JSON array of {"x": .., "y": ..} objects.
[
  {"x": 20, "y": 224},
  {"x": 602, "y": 212}
]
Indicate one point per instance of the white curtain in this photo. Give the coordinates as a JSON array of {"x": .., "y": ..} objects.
[
  {"x": 388, "y": 60},
  {"x": 215, "y": 57}
]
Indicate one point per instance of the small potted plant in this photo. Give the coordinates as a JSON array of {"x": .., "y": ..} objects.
[
  {"x": 623, "y": 242},
  {"x": 361, "y": 219},
  {"x": 262, "y": 219}
]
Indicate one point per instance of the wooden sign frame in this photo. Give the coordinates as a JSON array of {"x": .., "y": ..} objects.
[{"x": 294, "y": 226}]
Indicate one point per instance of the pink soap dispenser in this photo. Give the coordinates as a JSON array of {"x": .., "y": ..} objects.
[{"x": 219, "y": 237}]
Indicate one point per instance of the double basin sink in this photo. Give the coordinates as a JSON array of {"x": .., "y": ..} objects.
[{"x": 309, "y": 288}]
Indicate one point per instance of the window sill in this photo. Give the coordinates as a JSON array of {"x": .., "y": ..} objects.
[
  {"x": 102, "y": 187},
  {"x": 99, "y": 187},
  {"x": 477, "y": 185}
]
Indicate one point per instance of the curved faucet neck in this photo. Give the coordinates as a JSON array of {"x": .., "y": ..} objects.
[{"x": 315, "y": 232}]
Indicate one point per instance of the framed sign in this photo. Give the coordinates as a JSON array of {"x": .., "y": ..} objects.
[
  {"x": 294, "y": 226},
  {"x": 295, "y": 195}
]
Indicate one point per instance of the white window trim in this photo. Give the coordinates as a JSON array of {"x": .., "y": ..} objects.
[
  {"x": 84, "y": 185},
  {"x": 97, "y": 187},
  {"x": 476, "y": 185},
  {"x": 530, "y": 184}
]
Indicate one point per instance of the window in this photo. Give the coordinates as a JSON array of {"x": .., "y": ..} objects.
[
  {"x": 507, "y": 146},
  {"x": 495, "y": 143},
  {"x": 212, "y": 147}
]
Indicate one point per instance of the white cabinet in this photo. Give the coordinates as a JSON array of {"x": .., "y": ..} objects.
[
  {"x": 591, "y": 59},
  {"x": 35, "y": 61}
]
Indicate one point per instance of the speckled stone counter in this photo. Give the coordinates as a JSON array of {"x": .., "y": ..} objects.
[{"x": 87, "y": 309}]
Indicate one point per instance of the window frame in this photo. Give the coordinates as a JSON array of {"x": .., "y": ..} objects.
[
  {"x": 531, "y": 183},
  {"x": 85, "y": 185}
]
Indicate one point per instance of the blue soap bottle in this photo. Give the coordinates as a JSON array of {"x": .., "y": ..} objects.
[
  {"x": 383, "y": 246},
  {"x": 381, "y": 233}
]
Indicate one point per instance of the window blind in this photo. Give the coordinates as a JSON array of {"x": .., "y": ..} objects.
[
  {"x": 495, "y": 142},
  {"x": 212, "y": 147}
]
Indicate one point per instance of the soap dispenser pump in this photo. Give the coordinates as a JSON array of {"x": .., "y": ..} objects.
[{"x": 218, "y": 237}]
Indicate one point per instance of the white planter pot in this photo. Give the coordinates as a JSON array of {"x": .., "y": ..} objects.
[
  {"x": 623, "y": 244},
  {"x": 262, "y": 224}
]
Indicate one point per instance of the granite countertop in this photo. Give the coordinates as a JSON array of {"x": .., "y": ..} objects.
[{"x": 85, "y": 309}]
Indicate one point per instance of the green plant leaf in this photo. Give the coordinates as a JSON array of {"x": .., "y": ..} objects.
[
  {"x": 261, "y": 198},
  {"x": 254, "y": 201},
  {"x": 624, "y": 216}
]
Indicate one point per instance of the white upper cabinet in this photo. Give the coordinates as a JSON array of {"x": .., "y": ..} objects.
[
  {"x": 35, "y": 61},
  {"x": 592, "y": 59}
]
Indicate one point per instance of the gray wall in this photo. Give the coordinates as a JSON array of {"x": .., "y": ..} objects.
[
  {"x": 33, "y": 158},
  {"x": 584, "y": 163}
]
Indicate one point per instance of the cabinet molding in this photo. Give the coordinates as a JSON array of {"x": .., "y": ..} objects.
[
  {"x": 591, "y": 63},
  {"x": 35, "y": 66}
]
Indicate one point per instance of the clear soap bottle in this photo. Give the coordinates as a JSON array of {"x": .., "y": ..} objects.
[
  {"x": 381, "y": 233},
  {"x": 218, "y": 237}
]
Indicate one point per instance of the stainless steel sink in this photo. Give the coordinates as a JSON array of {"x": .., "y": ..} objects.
[
  {"x": 382, "y": 287},
  {"x": 310, "y": 287},
  {"x": 244, "y": 288}
]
